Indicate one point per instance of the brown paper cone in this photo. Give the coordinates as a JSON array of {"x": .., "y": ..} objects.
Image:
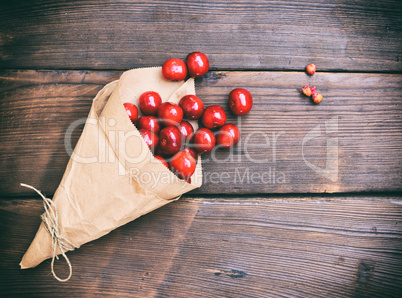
[{"x": 112, "y": 177}]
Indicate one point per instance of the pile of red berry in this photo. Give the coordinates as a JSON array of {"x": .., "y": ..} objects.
[
  {"x": 172, "y": 139},
  {"x": 311, "y": 91}
]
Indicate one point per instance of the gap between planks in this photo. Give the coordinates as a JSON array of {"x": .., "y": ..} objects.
[{"x": 212, "y": 69}]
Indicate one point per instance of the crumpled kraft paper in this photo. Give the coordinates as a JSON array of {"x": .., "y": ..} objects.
[{"x": 112, "y": 177}]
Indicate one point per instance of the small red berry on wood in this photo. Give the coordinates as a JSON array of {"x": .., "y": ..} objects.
[{"x": 310, "y": 69}]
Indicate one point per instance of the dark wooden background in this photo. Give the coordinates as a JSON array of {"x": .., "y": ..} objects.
[{"x": 300, "y": 236}]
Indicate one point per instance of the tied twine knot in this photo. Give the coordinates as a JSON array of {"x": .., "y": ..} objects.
[{"x": 50, "y": 220}]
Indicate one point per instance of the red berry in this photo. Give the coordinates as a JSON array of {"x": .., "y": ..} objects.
[
  {"x": 170, "y": 140},
  {"x": 148, "y": 122},
  {"x": 191, "y": 152},
  {"x": 150, "y": 138},
  {"x": 170, "y": 114},
  {"x": 213, "y": 117},
  {"x": 240, "y": 101},
  {"x": 306, "y": 90},
  {"x": 186, "y": 130},
  {"x": 203, "y": 140},
  {"x": 149, "y": 103},
  {"x": 317, "y": 97},
  {"x": 183, "y": 165},
  {"x": 198, "y": 64},
  {"x": 174, "y": 70},
  {"x": 132, "y": 111},
  {"x": 192, "y": 106},
  {"x": 228, "y": 136},
  {"x": 159, "y": 152},
  {"x": 310, "y": 69},
  {"x": 162, "y": 160}
]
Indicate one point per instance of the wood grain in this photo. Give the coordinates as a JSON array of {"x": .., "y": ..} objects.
[
  {"x": 234, "y": 247},
  {"x": 360, "y": 35},
  {"x": 37, "y": 107}
]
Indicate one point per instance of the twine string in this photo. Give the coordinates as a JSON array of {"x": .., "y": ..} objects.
[{"x": 50, "y": 219}]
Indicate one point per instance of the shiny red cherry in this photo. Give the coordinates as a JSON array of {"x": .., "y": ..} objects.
[
  {"x": 150, "y": 138},
  {"x": 203, "y": 140},
  {"x": 162, "y": 160},
  {"x": 240, "y": 101},
  {"x": 183, "y": 165},
  {"x": 132, "y": 111},
  {"x": 170, "y": 140},
  {"x": 170, "y": 114},
  {"x": 174, "y": 70},
  {"x": 192, "y": 106},
  {"x": 191, "y": 152},
  {"x": 159, "y": 152},
  {"x": 197, "y": 64},
  {"x": 149, "y": 122},
  {"x": 228, "y": 136},
  {"x": 149, "y": 103},
  {"x": 213, "y": 117},
  {"x": 186, "y": 130}
]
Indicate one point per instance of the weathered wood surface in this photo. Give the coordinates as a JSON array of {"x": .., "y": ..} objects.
[
  {"x": 235, "y": 247},
  {"x": 37, "y": 107},
  {"x": 337, "y": 35},
  {"x": 332, "y": 246}
]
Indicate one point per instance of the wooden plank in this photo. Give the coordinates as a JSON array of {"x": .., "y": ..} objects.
[
  {"x": 236, "y": 247},
  {"x": 37, "y": 108},
  {"x": 337, "y": 35}
]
